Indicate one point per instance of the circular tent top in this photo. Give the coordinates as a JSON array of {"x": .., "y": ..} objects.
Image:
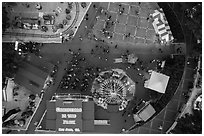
[{"x": 113, "y": 87}]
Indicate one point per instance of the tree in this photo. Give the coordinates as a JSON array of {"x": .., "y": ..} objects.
[
  {"x": 189, "y": 124},
  {"x": 10, "y": 112},
  {"x": 5, "y": 19},
  {"x": 193, "y": 12},
  {"x": 67, "y": 11},
  {"x": 32, "y": 97},
  {"x": 83, "y": 4},
  {"x": 26, "y": 114},
  {"x": 11, "y": 60}
]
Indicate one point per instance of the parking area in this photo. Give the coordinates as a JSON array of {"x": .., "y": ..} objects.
[
  {"x": 42, "y": 21},
  {"x": 126, "y": 23},
  {"x": 51, "y": 15}
]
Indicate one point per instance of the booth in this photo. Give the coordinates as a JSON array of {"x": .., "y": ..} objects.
[
  {"x": 157, "y": 82},
  {"x": 144, "y": 113}
]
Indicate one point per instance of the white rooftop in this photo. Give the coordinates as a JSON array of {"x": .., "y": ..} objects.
[
  {"x": 157, "y": 82},
  {"x": 147, "y": 112}
]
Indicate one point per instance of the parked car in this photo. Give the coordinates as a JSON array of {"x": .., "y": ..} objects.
[
  {"x": 44, "y": 28},
  {"x": 49, "y": 19}
]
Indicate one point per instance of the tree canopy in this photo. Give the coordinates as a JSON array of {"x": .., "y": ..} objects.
[
  {"x": 10, "y": 61},
  {"x": 194, "y": 19},
  {"x": 189, "y": 124},
  {"x": 5, "y": 19}
]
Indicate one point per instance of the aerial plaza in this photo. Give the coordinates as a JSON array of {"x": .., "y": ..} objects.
[{"x": 98, "y": 68}]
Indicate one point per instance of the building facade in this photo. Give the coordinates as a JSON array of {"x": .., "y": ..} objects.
[{"x": 70, "y": 116}]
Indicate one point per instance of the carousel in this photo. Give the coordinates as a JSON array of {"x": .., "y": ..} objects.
[{"x": 113, "y": 87}]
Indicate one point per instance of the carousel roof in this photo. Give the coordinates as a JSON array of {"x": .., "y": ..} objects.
[{"x": 113, "y": 87}]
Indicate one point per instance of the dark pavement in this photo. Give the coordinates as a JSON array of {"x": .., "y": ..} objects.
[{"x": 47, "y": 96}]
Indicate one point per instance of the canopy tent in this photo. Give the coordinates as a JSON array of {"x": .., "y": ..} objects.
[
  {"x": 16, "y": 45},
  {"x": 144, "y": 113},
  {"x": 161, "y": 26},
  {"x": 132, "y": 58},
  {"x": 157, "y": 82},
  {"x": 8, "y": 90},
  {"x": 147, "y": 112},
  {"x": 118, "y": 60}
]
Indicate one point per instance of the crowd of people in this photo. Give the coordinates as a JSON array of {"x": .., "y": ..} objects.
[
  {"x": 29, "y": 47},
  {"x": 79, "y": 73},
  {"x": 109, "y": 24},
  {"x": 74, "y": 79}
]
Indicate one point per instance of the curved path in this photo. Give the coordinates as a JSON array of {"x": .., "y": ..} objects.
[{"x": 49, "y": 36}]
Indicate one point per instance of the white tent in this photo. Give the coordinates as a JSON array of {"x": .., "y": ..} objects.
[
  {"x": 161, "y": 25},
  {"x": 147, "y": 112},
  {"x": 8, "y": 91},
  {"x": 144, "y": 113},
  {"x": 118, "y": 60},
  {"x": 157, "y": 82},
  {"x": 132, "y": 58}
]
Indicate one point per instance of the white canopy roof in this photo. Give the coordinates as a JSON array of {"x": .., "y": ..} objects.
[
  {"x": 147, "y": 112},
  {"x": 157, "y": 82},
  {"x": 8, "y": 91},
  {"x": 161, "y": 25}
]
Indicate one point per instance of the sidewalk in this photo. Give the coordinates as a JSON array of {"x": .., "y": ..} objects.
[{"x": 47, "y": 96}]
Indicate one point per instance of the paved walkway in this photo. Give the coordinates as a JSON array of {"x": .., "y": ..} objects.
[
  {"x": 47, "y": 96},
  {"x": 133, "y": 27}
]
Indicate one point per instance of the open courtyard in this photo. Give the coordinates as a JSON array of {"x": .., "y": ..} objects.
[
  {"x": 128, "y": 23},
  {"x": 106, "y": 52}
]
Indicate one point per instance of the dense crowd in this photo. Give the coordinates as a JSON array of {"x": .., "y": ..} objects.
[{"x": 78, "y": 73}]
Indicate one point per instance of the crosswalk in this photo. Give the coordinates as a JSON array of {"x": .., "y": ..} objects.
[{"x": 161, "y": 26}]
